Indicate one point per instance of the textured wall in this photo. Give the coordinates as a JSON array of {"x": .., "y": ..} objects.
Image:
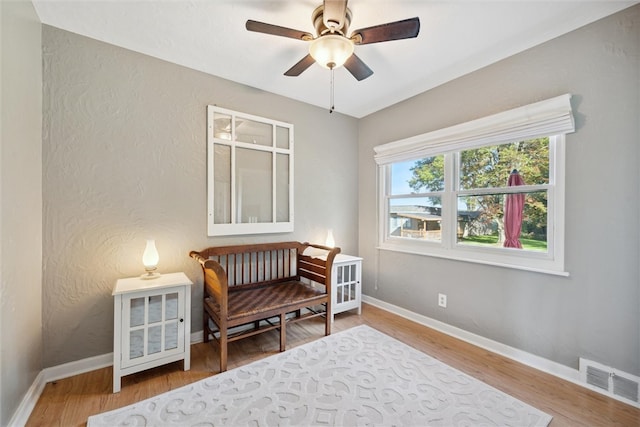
[
  {"x": 125, "y": 159},
  {"x": 20, "y": 203},
  {"x": 594, "y": 313}
]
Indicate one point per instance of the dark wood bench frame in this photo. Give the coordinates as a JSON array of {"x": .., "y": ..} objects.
[{"x": 257, "y": 288}]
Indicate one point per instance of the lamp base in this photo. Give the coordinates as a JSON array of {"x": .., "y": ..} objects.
[{"x": 150, "y": 275}]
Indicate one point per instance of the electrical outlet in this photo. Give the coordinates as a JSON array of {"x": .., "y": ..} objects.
[{"x": 442, "y": 300}]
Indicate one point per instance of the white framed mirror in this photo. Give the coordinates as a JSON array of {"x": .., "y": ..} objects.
[{"x": 249, "y": 174}]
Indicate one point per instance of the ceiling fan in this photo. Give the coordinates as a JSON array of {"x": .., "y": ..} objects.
[{"x": 332, "y": 48}]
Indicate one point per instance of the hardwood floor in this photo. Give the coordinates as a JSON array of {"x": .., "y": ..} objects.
[{"x": 69, "y": 402}]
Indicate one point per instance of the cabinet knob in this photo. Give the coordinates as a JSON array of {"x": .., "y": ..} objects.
[{"x": 181, "y": 320}]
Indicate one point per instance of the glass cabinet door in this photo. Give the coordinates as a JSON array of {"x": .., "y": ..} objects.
[
  {"x": 155, "y": 326},
  {"x": 346, "y": 283}
]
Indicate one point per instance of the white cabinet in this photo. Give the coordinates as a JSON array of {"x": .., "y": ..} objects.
[
  {"x": 346, "y": 288},
  {"x": 152, "y": 324}
]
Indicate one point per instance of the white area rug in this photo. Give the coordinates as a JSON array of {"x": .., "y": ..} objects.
[{"x": 353, "y": 378}]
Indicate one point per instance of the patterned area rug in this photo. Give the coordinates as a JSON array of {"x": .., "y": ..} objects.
[{"x": 352, "y": 378}]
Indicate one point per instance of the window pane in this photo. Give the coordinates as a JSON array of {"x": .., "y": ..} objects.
[
  {"x": 282, "y": 137},
  {"x": 222, "y": 184},
  {"x": 254, "y": 132},
  {"x": 171, "y": 336},
  {"x": 418, "y": 176},
  {"x": 155, "y": 308},
  {"x": 482, "y": 222},
  {"x": 416, "y": 218},
  {"x": 171, "y": 306},
  {"x": 222, "y": 126},
  {"x": 154, "y": 344},
  {"x": 253, "y": 186},
  {"x": 282, "y": 187},
  {"x": 489, "y": 167},
  {"x": 136, "y": 312},
  {"x": 136, "y": 343}
]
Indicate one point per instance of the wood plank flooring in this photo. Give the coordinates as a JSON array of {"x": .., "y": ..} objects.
[{"x": 69, "y": 402}]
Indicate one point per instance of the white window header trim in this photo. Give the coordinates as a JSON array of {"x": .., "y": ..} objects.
[{"x": 549, "y": 117}]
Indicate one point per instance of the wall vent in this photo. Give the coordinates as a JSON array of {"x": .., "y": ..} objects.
[{"x": 610, "y": 381}]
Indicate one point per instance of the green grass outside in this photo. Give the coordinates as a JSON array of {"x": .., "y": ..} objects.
[{"x": 492, "y": 240}]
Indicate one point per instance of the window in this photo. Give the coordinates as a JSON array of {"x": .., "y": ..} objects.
[
  {"x": 250, "y": 174},
  {"x": 489, "y": 191}
]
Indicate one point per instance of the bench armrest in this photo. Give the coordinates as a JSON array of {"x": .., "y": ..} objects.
[
  {"x": 315, "y": 263},
  {"x": 215, "y": 280}
]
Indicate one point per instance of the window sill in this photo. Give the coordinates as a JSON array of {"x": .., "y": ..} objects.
[{"x": 460, "y": 256}]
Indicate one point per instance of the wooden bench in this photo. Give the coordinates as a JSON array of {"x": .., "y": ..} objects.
[{"x": 255, "y": 288}]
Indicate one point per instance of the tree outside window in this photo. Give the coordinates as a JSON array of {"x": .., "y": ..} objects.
[
  {"x": 490, "y": 190},
  {"x": 480, "y": 190}
]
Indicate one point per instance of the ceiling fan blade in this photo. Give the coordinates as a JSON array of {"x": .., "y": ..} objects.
[
  {"x": 275, "y": 30},
  {"x": 334, "y": 13},
  {"x": 357, "y": 68},
  {"x": 405, "y": 29},
  {"x": 302, "y": 65}
]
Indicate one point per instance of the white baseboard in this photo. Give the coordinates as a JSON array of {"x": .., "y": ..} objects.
[
  {"x": 97, "y": 362},
  {"x": 197, "y": 337},
  {"x": 21, "y": 416},
  {"x": 78, "y": 367},
  {"x": 537, "y": 362},
  {"x": 66, "y": 370}
]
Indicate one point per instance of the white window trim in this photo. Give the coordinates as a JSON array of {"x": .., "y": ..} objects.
[{"x": 551, "y": 118}]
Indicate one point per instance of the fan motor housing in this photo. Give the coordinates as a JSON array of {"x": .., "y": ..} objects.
[{"x": 322, "y": 29}]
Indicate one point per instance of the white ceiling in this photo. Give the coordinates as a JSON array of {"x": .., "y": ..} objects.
[{"x": 456, "y": 38}]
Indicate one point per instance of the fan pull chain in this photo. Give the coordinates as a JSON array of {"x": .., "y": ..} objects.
[{"x": 331, "y": 96}]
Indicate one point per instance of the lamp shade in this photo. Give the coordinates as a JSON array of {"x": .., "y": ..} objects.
[
  {"x": 330, "y": 242},
  {"x": 331, "y": 50},
  {"x": 150, "y": 256}
]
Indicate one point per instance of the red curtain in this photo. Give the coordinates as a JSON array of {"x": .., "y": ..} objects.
[{"x": 513, "y": 210}]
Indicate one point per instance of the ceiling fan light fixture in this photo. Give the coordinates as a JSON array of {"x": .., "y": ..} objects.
[{"x": 331, "y": 50}]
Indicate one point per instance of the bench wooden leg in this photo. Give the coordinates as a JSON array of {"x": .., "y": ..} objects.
[
  {"x": 283, "y": 331},
  {"x": 327, "y": 324},
  {"x": 205, "y": 326},
  {"x": 223, "y": 348}
]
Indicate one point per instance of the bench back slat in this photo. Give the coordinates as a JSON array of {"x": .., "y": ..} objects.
[
  {"x": 242, "y": 268},
  {"x": 261, "y": 264}
]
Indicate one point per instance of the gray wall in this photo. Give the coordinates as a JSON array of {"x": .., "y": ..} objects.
[
  {"x": 20, "y": 203},
  {"x": 124, "y": 148},
  {"x": 594, "y": 313},
  {"x": 125, "y": 159}
]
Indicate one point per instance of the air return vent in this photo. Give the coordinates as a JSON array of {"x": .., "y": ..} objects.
[
  {"x": 625, "y": 387},
  {"x": 598, "y": 377},
  {"x": 610, "y": 381}
]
